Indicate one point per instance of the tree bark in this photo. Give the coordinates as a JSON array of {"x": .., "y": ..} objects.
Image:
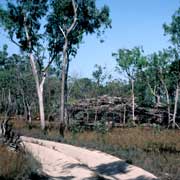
[
  {"x": 168, "y": 108},
  {"x": 39, "y": 88},
  {"x": 39, "y": 85},
  {"x": 168, "y": 101},
  {"x": 63, "y": 78},
  {"x": 174, "y": 124},
  {"x": 64, "y": 73},
  {"x": 25, "y": 105},
  {"x": 9, "y": 97},
  {"x": 133, "y": 100},
  {"x": 155, "y": 94},
  {"x": 66, "y": 94},
  {"x": 124, "y": 115},
  {"x": 29, "y": 118}
]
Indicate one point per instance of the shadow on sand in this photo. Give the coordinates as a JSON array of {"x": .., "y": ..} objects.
[{"x": 110, "y": 169}]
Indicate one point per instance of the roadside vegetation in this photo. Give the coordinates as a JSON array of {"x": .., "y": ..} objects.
[{"x": 18, "y": 165}]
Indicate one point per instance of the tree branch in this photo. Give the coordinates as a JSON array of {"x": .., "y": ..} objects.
[
  {"x": 11, "y": 38},
  {"x": 42, "y": 82},
  {"x": 75, "y": 18},
  {"x": 152, "y": 91},
  {"x": 62, "y": 31},
  {"x": 49, "y": 63},
  {"x": 27, "y": 34},
  {"x": 73, "y": 23}
]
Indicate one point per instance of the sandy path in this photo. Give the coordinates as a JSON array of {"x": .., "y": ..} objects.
[{"x": 62, "y": 161}]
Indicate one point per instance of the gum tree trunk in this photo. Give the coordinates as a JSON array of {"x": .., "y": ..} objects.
[
  {"x": 64, "y": 74},
  {"x": 39, "y": 89},
  {"x": 63, "y": 79},
  {"x": 133, "y": 100},
  {"x": 174, "y": 124}
]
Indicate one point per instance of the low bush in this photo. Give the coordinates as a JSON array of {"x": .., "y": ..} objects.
[{"x": 17, "y": 165}]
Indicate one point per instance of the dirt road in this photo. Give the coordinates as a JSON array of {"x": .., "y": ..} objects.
[{"x": 62, "y": 161}]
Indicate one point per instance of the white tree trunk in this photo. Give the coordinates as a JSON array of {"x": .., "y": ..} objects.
[
  {"x": 168, "y": 106},
  {"x": 133, "y": 100},
  {"x": 65, "y": 69},
  {"x": 41, "y": 109},
  {"x": 167, "y": 100},
  {"x": 63, "y": 78},
  {"x": 175, "y": 107},
  {"x": 39, "y": 89},
  {"x": 9, "y": 97},
  {"x": 39, "y": 86}
]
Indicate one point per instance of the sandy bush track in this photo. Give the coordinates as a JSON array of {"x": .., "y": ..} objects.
[{"x": 62, "y": 161}]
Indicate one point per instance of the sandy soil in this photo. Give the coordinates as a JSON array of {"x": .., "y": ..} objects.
[{"x": 62, "y": 161}]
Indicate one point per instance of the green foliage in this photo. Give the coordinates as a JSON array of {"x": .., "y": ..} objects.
[
  {"x": 76, "y": 128},
  {"x": 117, "y": 88},
  {"x": 80, "y": 88},
  {"x": 130, "y": 61},
  {"x": 98, "y": 74},
  {"x": 51, "y": 96},
  {"x": 16, "y": 79},
  {"x": 154, "y": 76},
  {"x": 89, "y": 20},
  {"x": 20, "y": 14},
  {"x": 173, "y": 29},
  {"x": 100, "y": 127}
]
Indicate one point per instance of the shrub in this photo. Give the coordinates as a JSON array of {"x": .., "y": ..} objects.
[
  {"x": 100, "y": 127},
  {"x": 16, "y": 165}
]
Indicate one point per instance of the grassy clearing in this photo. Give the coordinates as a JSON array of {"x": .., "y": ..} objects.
[{"x": 154, "y": 149}]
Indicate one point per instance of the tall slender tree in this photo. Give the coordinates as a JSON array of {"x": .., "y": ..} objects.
[
  {"x": 21, "y": 19},
  {"x": 130, "y": 61},
  {"x": 158, "y": 77},
  {"x": 68, "y": 22}
]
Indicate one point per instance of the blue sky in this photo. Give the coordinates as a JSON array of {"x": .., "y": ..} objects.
[{"x": 134, "y": 23}]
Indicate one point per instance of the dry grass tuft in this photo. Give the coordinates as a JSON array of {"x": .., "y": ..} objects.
[{"x": 16, "y": 165}]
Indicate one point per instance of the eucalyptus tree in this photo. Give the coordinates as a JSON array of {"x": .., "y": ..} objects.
[
  {"x": 151, "y": 75},
  {"x": 157, "y": 75},
  {"x": 173, "y": 29},
  {"x": 130, "y": 61},
  {"x": 22, "y": 21},
  {"x": 67, "y": 24},
  {"x": 174, "y": 78}
]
